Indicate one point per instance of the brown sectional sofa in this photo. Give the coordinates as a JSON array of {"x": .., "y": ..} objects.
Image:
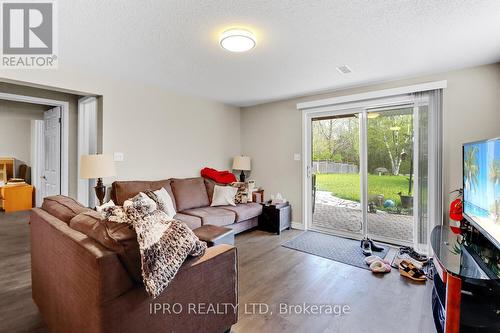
[
  {"x": 192, "y": 198},
  {"x": 86, "y": 275}
]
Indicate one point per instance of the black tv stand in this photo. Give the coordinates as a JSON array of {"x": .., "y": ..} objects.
[{"x": 466, "y": 293}]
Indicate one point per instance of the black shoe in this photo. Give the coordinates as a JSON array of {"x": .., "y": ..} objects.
[
  {"x": 367, "y": 248},
  {"x": 413, "y": 254},
  {"x": 375, "y": 247}
]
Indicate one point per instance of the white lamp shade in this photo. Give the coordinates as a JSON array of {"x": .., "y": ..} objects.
[
  {"x": 242, "y": 163},
  {"x": 97, "y": 166}
]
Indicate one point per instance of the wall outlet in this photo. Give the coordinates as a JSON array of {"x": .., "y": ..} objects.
[
  {"x": 296, "y": 157},
  {"x": 118, "y": 157}
]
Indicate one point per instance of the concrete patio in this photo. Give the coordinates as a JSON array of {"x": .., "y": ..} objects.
[{"x": 345, "y": 215}]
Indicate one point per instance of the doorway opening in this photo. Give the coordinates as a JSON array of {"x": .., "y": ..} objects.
[
  {"x": 35, "y": 142},
  {"x": 59, "y": 133}
]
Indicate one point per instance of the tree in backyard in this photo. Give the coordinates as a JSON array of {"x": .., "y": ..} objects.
[
  {"x": 389, "y": 140},
  {"x": 336, "y": 139}
]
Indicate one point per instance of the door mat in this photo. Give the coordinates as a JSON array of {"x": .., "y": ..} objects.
[{"x": 344, "y": 250}]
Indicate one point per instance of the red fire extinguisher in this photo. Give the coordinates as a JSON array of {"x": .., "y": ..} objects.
[{"x": 456, "y": 210}]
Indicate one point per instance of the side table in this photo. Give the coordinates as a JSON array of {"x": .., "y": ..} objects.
[{"x": 275, "y": 218}]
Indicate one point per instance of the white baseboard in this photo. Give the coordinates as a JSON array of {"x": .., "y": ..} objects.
[{"x": 298, "y": 225}]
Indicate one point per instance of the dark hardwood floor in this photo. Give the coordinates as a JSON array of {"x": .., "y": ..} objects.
[
  {"x": 18, "y": 312},
  {"x": 269, "y": 274},
  {"x": 272, "y": 274}
]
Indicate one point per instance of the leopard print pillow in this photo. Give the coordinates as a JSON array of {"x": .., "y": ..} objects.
[{"x": 241, "y": 195}]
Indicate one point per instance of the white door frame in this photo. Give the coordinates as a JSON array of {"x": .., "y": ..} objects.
[
  {"x": 64, "y": 132},
  {"x": 37, "y": 146},
  {"x": 361, "y": 108},
  {"x": 87, "y": 144}
]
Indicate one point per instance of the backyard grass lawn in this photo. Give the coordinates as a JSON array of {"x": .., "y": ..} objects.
[{"x": 346, "y": 186}]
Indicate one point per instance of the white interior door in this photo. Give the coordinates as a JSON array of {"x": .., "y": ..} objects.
[{"x": 51, "y": 177}]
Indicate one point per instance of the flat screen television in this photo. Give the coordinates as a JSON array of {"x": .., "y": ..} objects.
[{"x": 481, "y": 183}]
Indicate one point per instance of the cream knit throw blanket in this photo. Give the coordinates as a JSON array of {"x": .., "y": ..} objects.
[{"x": 164, "y": 243}]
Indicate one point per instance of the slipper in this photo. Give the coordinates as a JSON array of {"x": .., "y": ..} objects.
[
  {"x": 408, "y": 270},
  {"x": 379, "y": 266},
  {"x": 369, "y": 260}
]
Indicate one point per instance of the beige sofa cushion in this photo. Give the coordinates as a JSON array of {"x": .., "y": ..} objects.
[
  {"x": 124, "y": 190},
  {"x": 62, "y": 207},
  {"x": 191, "y": 221},
  {"x": 189, "y": 193},
  {"x": 212, "y": 215},
  {"x": 118, "y": 237},
  {"x": 245, "y": 211}
]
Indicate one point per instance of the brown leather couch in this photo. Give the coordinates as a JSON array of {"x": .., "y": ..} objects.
[
  {"x": 192, "y": 198},
  {"x": 86, "y": 276}
]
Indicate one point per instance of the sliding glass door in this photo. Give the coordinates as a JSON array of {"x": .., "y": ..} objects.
[
  {"x": 390, "y": 174},
  {"x": 368, "y": 170},
  {"x": 335, "y": 174}
]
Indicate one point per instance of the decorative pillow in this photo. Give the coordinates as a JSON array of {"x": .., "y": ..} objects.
[
  {"x": 223, "y": 196},
  {"x": 241, "y": 194},
  {"x": 163, "y": 200},
  {"x": 115, "y": 214},
  {"x": 142, "y": 201},
  {"x": 110, "y": 203}
]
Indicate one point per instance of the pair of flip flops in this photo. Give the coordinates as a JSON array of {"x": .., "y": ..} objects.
[
  {"x": 410, "y": 271},
  {"x": 377, "y": 264}
]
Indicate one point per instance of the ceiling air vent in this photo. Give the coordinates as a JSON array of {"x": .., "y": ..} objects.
[{"x": 344, "y": 69}]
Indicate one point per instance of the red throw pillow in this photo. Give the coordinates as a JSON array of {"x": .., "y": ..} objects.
[{"x": 222, "y": 177}]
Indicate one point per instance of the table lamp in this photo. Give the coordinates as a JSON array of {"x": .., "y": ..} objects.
[
  {"x": 97, "y": 166},
  {"x": 242, "y": 163}
]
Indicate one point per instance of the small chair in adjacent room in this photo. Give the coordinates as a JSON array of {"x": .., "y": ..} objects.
[
  {"x": 22, "y": 175},
  {"x": 23, "y": 172}
]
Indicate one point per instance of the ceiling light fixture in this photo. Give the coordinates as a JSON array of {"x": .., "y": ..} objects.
[
  {"x": 373, "y": 115},
  {"x": 237, "y": 40}
]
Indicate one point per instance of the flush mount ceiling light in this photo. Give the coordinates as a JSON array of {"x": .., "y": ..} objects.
[
  {"x": 373, "y": 115},
  {"x": 237, "y": 40}
]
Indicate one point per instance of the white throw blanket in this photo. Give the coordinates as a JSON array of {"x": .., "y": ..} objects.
[{"x": 164, "y": 243}]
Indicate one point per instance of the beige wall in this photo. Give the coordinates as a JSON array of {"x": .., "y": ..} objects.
[
  {"x": 166, "y": 135},
  {"x": 15, "y": 139},
  {"x": 271, "y": 132},
  {"x": 162, "y": 134},
  {"x": 15, "y": 130}
]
